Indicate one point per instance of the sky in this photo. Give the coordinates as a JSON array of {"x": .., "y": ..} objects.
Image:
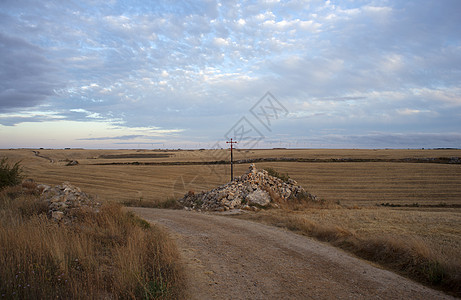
[{"x": 193, "y": 74}]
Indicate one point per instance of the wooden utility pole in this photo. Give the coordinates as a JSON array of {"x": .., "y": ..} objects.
[{"x": 232, "y": 158}]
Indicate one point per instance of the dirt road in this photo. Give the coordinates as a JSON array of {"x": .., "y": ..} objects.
[{"x": 228, "y": 258}]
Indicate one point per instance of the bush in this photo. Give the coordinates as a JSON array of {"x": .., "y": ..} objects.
[
  {"x": 272, "y": 172},
  {"x": 170, "y": 203},
  {"x": 9, "y": 175}
]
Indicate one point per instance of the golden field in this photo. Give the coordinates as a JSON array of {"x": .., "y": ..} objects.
[{"x": 351, "y": 183}]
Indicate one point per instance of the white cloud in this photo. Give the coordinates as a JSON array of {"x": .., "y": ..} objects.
[
  {"x": 220, "y": 42},
  {"x": 241, "y": 22},
  {"x": 79, "y": 110},
  {"x": 285, "y": 25},
  {"x": 448, "y": 96},
  {"x": 119, "y": 22},
  {"x": 27, "y": 115},
  {"x": 378, "y": 9},
  {"x": 392, "y": 62},
  {"x": 408, "y": 111},
  {"x": 91, "y": 86},
  {"x": 265, "y": 16}
]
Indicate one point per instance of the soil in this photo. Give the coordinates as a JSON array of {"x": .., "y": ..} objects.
[{"x": 227, "y": 258}]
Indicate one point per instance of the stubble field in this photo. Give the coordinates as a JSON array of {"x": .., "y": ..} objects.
[{"x": 349, "y": 177}]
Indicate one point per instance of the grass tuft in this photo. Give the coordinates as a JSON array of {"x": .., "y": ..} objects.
[{"x": 10, "y": 175}]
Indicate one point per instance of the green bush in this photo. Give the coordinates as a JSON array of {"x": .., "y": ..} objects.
[{"x": 9, "y": 175}]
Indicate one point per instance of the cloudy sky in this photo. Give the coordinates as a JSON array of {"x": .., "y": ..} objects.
[{"x": 190, "y": 74}]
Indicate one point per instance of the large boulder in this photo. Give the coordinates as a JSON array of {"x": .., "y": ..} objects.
[{"x": 258, "y": 197}]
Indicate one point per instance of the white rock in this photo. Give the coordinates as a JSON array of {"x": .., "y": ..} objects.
[
  {"x": 259, "y": 197},
  {"x": 57, "y": 215}
]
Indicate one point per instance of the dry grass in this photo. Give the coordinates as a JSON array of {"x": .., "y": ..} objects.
[
  {"x": 423, "y": 245},
  {"x": 110, "y": 254}
]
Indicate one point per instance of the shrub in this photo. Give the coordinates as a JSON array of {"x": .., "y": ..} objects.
[
  {"x": 9, "y": 175},
  {"x": 170, "y": 203},
  {"x": 272, "y": 172}
]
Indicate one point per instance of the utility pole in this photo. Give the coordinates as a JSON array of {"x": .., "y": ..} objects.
[{"x": 232, "y": 158}]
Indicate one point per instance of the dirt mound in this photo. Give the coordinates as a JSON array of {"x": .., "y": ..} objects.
[{"x": 253, "y": 190}]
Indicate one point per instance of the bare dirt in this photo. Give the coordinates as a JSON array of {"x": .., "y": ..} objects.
[{"x": 227, "y": 258}]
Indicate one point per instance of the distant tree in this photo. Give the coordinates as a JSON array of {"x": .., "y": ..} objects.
[{"x": 10, "y": 175}]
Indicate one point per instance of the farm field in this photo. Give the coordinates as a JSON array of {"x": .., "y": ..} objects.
[
  {"x": 423, "y": 198},
  {"x": 361, "y": 183}
]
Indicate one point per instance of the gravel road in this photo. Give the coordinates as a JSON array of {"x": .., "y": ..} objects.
[{"x": 227, "y": 258}]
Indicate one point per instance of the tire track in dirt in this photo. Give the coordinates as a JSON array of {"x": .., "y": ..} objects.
[
  {"x": 226, "y": 258},
  {"x": 37, "y": 153}
]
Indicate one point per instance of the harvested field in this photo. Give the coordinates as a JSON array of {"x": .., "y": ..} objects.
[
  {"x": 370, "y": 183},
  {"x": 347, "y": 182},
  {"x": 140, "y": 155}
]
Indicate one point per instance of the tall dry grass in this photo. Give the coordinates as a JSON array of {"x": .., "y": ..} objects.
[{"x": 110, "y": 254}]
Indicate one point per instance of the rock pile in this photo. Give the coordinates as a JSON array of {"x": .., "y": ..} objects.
[
  {"x": 72, "y": 163},
  {"x": 63, "y": 200},
  {"x": 251, "y": 191}
]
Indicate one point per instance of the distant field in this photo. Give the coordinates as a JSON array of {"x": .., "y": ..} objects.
[{"x": 347, "y": 182}]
